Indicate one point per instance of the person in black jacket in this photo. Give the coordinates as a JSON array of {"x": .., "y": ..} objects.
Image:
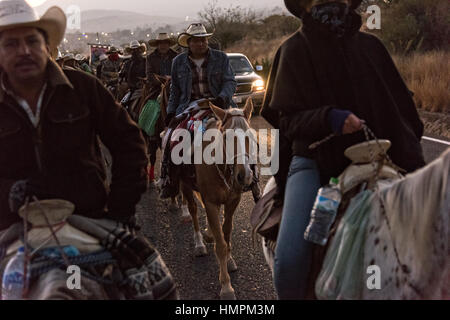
[{"x": 328, "y": 78}]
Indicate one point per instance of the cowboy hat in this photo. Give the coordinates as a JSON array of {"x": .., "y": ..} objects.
[
  {"x": 298, "y": 7},
  {"x": 69, "y": 56},
  {"x": 59, "y": 56},
  {"x": 162, "y": 37},
  {"x": 112, "y": 50},
  {"x": 18, "y": 13},
  {"x": 103, "y": 57},
  {"x": 136, "y": 45},
  {"x": 197, "y": 30},
  {"x": 80, "y": 57}
]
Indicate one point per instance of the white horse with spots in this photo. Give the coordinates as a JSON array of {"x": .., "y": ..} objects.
[{"x": 407, "y": 233}]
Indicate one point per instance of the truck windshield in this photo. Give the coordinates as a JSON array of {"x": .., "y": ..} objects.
[{"x": 240, "y": 65}]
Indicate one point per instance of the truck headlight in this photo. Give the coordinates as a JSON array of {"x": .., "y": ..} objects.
[{"x": 258, "y": 85}]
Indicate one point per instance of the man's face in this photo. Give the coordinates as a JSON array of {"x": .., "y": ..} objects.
[
  {"x": 163, "y": 46},
  {"x": 23, "y": 53},
  {"x": 135, "y": 53},
  {"x": 198, "y": 45}
]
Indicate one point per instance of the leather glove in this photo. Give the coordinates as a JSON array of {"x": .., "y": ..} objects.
[
  {"x": 169, "y": 118},
  {"x": 22, "y": 189},
  {"x": 219, "y": 102}
]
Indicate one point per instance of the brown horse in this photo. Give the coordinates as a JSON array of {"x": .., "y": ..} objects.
[
  {"x": 153, "y": 88},
  {"x": 220, "y": 184}
]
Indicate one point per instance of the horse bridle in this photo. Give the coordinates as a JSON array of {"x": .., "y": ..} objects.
[{"x": 226, "y": 118}]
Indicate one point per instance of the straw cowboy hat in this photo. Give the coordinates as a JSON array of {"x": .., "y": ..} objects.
[
  {"x": 298, "y": 7},
  {"x": 69, "y": 56},
  {"x": 80, "y": 57},
  {"x": 18, "y": 13},
  {"x": 162, "y": 37},
  {"x": 196, "y": 30},
  {"x": 136, "y": 45}
]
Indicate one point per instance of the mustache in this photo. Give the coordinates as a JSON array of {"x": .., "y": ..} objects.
[{"x": 25, "y": 61}]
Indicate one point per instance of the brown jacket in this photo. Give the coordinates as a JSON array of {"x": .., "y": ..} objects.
[
  {"x": 156, "y": 64},
  {"x": 64, "y": 150}
]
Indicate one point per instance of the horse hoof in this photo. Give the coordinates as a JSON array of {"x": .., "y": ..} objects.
[
  {"x": 231, "y": 265},
  {"x": 200, "y": 251},
  {"x": 227, "y": 296}
]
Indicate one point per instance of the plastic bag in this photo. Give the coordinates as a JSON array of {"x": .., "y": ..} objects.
[
  {"x": 149, "y": 116},
  {"x": 342, "y": 274}
]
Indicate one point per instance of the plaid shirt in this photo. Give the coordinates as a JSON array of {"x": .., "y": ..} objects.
[{"x": 200, "y": 86}]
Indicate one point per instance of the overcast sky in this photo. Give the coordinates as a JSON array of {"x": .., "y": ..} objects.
[{"x": 174, "y": 8}]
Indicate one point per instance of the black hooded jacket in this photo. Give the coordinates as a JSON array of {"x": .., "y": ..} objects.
[{"x": 315, "y": 71}]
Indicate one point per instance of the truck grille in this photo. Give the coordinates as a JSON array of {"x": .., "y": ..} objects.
[{"x": 244, "y": 88}]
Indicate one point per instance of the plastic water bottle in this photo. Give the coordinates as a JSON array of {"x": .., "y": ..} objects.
[
  {"x": 324, "y": 213},
  {"x": 14, "y": 282}
]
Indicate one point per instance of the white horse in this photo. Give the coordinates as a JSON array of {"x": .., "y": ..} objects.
[{"x": 408, "y": 239}]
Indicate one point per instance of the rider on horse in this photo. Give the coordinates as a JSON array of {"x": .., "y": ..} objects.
[
  {"x": 50, "y": 121},
  {"x": 134, "y": 69},
  {"x": 326, "y": 79},
  {"x": 110, "y": 67},
  {"x": 199, "y": 73},
  {"x": 159, "y": 62}
]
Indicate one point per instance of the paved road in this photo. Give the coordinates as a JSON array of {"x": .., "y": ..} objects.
[{"x": 197, "y": 278}]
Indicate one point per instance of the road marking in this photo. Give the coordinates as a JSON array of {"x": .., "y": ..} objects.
[{"x": 437, "y": 140}]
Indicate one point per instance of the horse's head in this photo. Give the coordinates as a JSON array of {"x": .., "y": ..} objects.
[{"x": 236, "y": 122}]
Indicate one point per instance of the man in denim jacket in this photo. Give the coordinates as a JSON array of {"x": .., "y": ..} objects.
[{"x": 198, "y": 73}]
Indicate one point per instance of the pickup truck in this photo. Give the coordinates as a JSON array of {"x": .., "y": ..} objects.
[{"x": 249, "y": 84}]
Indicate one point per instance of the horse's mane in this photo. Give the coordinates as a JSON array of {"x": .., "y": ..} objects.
[{"x": 417, "y": 208}]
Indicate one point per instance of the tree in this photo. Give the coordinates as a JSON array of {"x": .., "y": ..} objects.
[{"x": 409, "y": 25}]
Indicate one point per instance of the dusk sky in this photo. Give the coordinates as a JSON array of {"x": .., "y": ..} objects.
[{"x": 174, "y": 8}]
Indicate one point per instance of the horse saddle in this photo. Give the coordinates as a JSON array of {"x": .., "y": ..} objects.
[
  {"x": 53, "y": 213},
  {"x": 265, "y": 217},
  {"x": 188, "y": 123}
]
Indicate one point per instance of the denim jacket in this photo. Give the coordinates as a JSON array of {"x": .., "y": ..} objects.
[{"x": 221, "y": 80}]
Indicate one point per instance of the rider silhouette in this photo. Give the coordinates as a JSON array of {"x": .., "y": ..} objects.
[{"x": 325, "y": 79}]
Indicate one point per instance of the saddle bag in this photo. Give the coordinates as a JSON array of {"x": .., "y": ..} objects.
[
  {"x": 266, "y": 216},
  {"x": 149, "y": 117}
]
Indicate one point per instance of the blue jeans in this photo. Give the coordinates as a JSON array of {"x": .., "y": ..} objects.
[{"x": 293, "y": 252}]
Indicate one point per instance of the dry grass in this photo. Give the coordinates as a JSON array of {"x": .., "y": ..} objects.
[
  {"x": 257, "y": 49},
  {"x": 428, "y": 76}
]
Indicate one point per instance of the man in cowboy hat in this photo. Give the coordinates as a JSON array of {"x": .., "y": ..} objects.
[
  {"x": 207, "y": 72},
  {"x": 326, "y": 79},
  {"x": 70, "y": 62},
  {"x": 134, "y": 68},
  {"x": 199, "y": 73},
  {"x": 50, "y": 121},
  {"x": 110, "y": 66},
  {"x": 160, "y": 60},
  {"x": 82, "y": 63}
]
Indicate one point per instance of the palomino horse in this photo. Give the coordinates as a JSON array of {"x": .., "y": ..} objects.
[
  {"x": 220, "y": 184},
  {"x": 407, "y": 233}
]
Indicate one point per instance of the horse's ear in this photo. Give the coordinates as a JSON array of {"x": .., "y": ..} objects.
[
  {"x": 248, "y": 109},
  {"x": 219, "y": 113}
]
